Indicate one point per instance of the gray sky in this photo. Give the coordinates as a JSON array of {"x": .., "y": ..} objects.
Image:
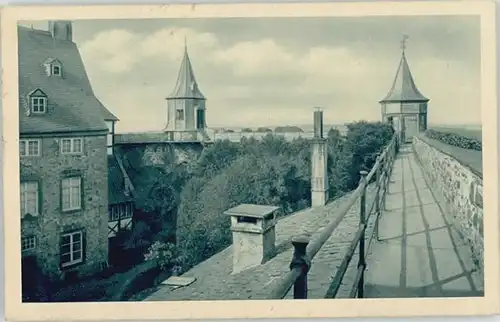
[{"x": 273, "y": 71}]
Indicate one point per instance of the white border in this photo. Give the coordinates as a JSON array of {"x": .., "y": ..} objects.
[{"x": 15, "y": 310}]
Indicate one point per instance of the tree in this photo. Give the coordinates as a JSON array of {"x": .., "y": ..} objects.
[{"x": 216, "y": 157}]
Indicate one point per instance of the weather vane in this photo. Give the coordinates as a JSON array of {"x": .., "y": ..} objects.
[{"x": 403, "y": 42}]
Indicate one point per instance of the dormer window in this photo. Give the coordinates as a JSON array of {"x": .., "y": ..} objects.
[
  {"x": 56, "y": 70},
  {"x": 38, "y": 102},
  {"x": 53, "y": 67}
]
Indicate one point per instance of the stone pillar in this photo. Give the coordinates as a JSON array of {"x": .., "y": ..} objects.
[
  {"x": 319, "y": 180},
  {"x": 253, "y": 228}
]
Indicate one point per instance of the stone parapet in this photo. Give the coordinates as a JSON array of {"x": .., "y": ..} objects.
[{"x": 459, "y": 190}]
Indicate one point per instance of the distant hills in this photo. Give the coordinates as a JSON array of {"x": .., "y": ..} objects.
[{"x": 300, "y": 128}]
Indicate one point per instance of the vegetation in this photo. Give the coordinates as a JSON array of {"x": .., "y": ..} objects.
[
  {"x": 288, "y": 129},
  {"x": 455, "y": 139},
  {"x": 158, "y": 191},
  {"x": 271, "y": 171}
]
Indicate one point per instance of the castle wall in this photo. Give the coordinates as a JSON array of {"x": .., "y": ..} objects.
[{"x": 459, "y": 190}]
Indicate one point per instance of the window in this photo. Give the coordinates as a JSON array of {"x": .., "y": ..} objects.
[
  {"x": 28, "y": 243},
  {"x": 71, "y": 248},
  {"x": 72, "y": 146},
  {"x": 29, "y": 148},
  {"x": 38, "y": 104},
  {"x": 110, "y": 137},
  {"x": 56, "y": 70},
  {"x": 71, "y": 193},
  {"x": 179, "y": 115},
  {"x": 29, "y": 198},
  {"x": 120, "y": 211}
]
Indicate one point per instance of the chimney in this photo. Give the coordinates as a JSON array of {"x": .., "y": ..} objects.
[
  {"x": 319, "y": 180},
  {"x": 61, "y": 30},
  {"x": 318, "y": 123},
  {"x": 253, "y": 228}
]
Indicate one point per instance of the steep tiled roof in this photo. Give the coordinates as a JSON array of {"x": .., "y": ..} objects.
[
  {"x": 215, "y": 281},
  {"x": 403, "y": 87},
  {"x": 72, "y": 105},
  {"x": 186, "y": 86}
]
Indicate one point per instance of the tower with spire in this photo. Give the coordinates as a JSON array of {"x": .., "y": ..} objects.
[
  {"x": 186, "y": 105},
  {"x": 404, "y": 106}
]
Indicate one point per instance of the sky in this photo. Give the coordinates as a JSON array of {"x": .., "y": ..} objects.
[{"x": 274, "y": 71}]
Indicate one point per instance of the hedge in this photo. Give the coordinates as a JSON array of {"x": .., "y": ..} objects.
[{"x": 455, "y": 140}]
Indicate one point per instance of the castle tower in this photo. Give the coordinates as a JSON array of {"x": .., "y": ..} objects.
[
  {"x": 319, "y": 157},
  {"x": 186, "y": 104},
  {"x": 404, "y": 106}
]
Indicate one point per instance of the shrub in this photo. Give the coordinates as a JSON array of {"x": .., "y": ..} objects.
[
  {"x": 162, "y": 253},
  {"x": 455, "y": 139}
]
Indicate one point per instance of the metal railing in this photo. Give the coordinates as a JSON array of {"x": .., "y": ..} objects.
[{"x": 305, "y": 250}]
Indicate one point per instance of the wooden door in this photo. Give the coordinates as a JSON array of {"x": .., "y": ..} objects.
[{"x": 410, "y": 127}]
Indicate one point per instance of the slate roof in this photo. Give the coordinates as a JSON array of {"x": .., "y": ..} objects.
[
  {"x": 403, "y": 87},
  {"x": 72, "y": 105},
  {"x": 215, "y": 281},
  {"x": 186, "y": 86}
]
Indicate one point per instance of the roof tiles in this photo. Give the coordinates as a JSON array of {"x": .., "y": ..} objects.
[
  {"x": 403, "y": 87},
  {"x": 72, "y": 105},
  {"x": 186, "y": 86},
  {"x": 215, "y": 280}
]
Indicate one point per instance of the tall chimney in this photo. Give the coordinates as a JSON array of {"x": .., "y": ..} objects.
[
  {"x": 318, "y": 123},
  {"x": 319, "y": 180},
  {"x": 253, "y": 228},
  {"x": 61, "y": 30}
]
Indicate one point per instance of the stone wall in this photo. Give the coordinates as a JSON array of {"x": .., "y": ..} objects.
[
  {"x": 48, "y": 169},
  {"x": 160, "y": 154},
  {"x": 459, "y": 189}
]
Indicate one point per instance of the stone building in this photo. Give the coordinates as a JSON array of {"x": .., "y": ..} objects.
[
  {"x": 63, "y": 143},
  {"x": 186, "y": 117},
  {"x": 404, "y": 106}
]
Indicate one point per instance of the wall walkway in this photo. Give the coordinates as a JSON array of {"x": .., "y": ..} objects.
[{"x": 418, "y": 253}]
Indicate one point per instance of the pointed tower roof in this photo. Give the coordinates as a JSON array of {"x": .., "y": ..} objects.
[
  {"x": 186, "y": 86},
  {"x": 403, "y": 87}
]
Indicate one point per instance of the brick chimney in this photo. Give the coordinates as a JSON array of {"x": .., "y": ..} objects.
[
  {"x": 253, "y": 228},
  {"x": 319, "y": 157}
]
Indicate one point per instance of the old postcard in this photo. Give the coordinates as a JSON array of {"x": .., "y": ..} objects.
[{"x": 296, "y": 160}]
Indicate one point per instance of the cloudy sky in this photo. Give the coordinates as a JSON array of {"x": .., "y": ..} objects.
[{"x": 273, "y": 71}]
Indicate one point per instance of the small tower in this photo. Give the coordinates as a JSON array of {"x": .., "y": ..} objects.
[
  {"x": 186, "y": 104},
  {"x": 319, "y": 159},
  {"x": 61, "y": 30},
  {"x": 404, "y": 106}
]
